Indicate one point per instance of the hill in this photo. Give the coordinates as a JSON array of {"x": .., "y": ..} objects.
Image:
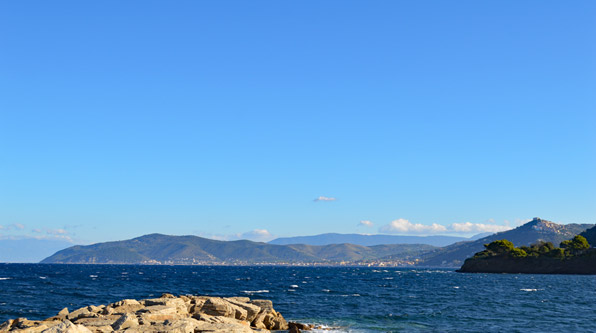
[
  {"x": 164, "y": 249},
  {"x": 368, "y": 240},
  {"x": 590, "y": 236},
  {"x": 525, "y": 235}
]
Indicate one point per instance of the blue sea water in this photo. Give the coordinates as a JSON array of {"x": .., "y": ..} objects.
[{"x": 348, "y": 299}]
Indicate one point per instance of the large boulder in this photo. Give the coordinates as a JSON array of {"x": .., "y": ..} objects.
[{"x": 242, "y": 302}]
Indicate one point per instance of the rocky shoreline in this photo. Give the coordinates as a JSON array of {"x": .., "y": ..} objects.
[{"x": 182, "y": 314}]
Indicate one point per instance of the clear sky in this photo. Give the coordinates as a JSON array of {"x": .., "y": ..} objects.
[{"x": 230, "y": 118}]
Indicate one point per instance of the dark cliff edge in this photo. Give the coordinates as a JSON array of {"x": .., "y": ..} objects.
[{"x": 585, "y": 264}]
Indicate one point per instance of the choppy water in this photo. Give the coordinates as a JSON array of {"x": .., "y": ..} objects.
[{"x": 353, "y": 299}]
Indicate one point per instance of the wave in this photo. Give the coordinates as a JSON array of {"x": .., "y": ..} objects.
[{"x": 251, "y": 292}]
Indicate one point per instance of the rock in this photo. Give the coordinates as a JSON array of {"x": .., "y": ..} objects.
[
  {"x": 165, "y": 314},
  {"x": 158, "y": 313},
  {"x": 299, "y": 326},
  {"x": 63, "y": 313},
  {"x": 218, "y": 307},
  {"x": 219, "y": 320},
  {"x": 126, "y": 306},
  {"x": 175, "y": 303},
  {"x": 263, "y": 303},
  {"x": 82, "y": 312},
  {"x": 271, "y": 320},
  {"x": 23, "y": 323},
  {"x": 222, "y": 327},
  {"x": 186, "y": 325},
  {"x": 67, "y": 327},
  {"x": 94, "y": 309},
  {"x": 103, "y": 329},
  {"x": 97, "y": 322},
  {"x": 251, "y": 310},
  {"x": 127, "y": 320},
  {"x": 5, "y": 326}
]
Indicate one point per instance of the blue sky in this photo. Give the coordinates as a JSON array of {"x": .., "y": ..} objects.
[{"x": 229, "y": 118}]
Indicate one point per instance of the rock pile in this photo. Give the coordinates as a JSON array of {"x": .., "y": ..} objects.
[{"x": 183, "y": 314}]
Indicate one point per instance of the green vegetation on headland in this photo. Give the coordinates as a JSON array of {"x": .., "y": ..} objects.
[{"x": 572, "y": 257}]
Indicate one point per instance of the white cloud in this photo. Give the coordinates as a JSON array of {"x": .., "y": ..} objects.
[
  {"x": 322, "y": 198},
  {"x": 469, "y": 227},
  {"x": 404, "y": 226},
  {"x": 259, "y": 235},
  {"x": 366, "y": 223}
]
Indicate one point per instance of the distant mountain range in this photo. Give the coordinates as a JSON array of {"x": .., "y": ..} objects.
[
  {"x": 163, "y": 249},
  {"x": 527, "y": 234},
  {"x": 370, "y": 240}
]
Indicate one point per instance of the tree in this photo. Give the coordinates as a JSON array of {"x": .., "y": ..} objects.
[
  {"x": 518, "y": 253},
  {"x": 500, "y": 246},
  {"x": 576, "y": 246}
]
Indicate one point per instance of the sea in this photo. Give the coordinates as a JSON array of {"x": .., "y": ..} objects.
[{"x": 342, "y": 299}]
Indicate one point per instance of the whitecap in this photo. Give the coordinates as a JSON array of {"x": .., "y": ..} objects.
[
  {"x": 455, "y": 287},
  {"x": 294, "y": 286},
  {"x": 326, "y": 290},
  {"x": 4, "y": 278},
  {"x": 43, "y": 277},
  {"x": 526, "y": 289},
  {"x": 92, "y": 276},
  {"x": 250, "y": 292}
]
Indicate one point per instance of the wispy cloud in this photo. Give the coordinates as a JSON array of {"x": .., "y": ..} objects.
[
  {"x": 404, "y": 226},
  {"x": 257, "y": 235},
  {"x": 366, "y": 223},
  {"x": 14, "y": 226},
  {"x": 322, "y": 198},
  {"x": 56, "y": 232}
]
